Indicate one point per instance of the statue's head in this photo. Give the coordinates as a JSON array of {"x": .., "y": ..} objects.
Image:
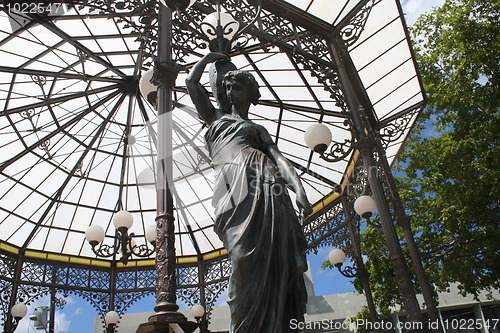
[
  {"x": 216, "y": 72},
  {"x": 246, "y": 79}
]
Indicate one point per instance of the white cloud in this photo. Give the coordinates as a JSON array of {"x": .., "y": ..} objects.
[
  {"x": 69, "y": 300},
  {"x": 62, "y": 323},
  {"x": 413, "y": 8}
]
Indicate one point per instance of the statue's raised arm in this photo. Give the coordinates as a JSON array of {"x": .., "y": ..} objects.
[{"x": 199, "y": 95}]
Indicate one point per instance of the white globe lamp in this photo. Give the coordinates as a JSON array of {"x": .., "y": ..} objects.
[
  {"x": 112, "y": 318},
  {"x": 18, "y": 311},
  {"x": 123, "y": 220},
  {"x": 197, "y": 311},
  {"x": 151, "y": 234},
  {"x": 318, "y": 137},
  {"x": 336, "y": 257},
  {"x": 364, "y": 206},
  {"x": 94, "y": 234}
]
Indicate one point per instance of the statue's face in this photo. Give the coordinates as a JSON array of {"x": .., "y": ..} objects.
[{"x": 237, "y": 92}]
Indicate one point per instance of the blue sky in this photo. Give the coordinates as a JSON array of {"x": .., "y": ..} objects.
[{"x": 77, "y": 316}]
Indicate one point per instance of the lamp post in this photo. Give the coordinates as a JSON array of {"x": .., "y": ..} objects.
[
  {"x": 18, "y": 311},
  {"x": 337, "y": 257},
  {"x": 166, "y": 317},
  {"x": 365, "y": 143},
  {"x": 365, "y": 206}
]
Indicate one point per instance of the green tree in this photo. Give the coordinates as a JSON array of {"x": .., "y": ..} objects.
[
  {"x": 452, "y": 174},
  {"x": 449, "y": 170}
]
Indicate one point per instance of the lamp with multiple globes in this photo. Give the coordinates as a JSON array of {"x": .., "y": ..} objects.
[
  {"x": 124, "y": 243},
  {"x": 220, "y": 28}
]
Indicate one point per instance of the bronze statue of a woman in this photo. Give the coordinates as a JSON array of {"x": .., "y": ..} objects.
[{"x": 255, "y": 218}]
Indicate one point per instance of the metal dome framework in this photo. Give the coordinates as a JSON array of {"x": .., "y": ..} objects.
[{"x": 79, "y": 141}]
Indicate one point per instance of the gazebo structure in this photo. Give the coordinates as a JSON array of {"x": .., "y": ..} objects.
[{"x": 78, "y": 139}]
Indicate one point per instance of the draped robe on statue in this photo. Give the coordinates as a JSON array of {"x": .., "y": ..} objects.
[{"x": 257, "y": 224}]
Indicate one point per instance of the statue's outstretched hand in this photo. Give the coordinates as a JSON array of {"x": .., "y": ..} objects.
[{"x": 304, "y": 205}]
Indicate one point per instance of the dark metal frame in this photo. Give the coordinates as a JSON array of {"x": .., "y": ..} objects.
[{"x": 202, "y": 281}]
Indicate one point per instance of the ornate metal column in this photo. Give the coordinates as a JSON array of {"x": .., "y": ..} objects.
[
  {"x": 166, "y": 307},
  {"x": 403, "y": 221},
  {"x": 10, "y": 324},
  {"x": 366, "y": 145}
]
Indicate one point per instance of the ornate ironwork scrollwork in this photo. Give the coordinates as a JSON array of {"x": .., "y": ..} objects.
[
  {"x": 123, "y": 243},
  {"x": 340, "y": 150},
  {"x": 40, "y": 80},
  {"x": 394, "y": 130},
  {"x": 326, "y": 76},
  {"x": 45, "y": 145},
  {"x": 325, "y": 228},
  {"x": 351, "y": 32},
  {"x": 124, "y": 300},
  {"x": 7, "y": 266},
  {"x": 348, "y": 271},
  {"x": 187, "y": 36},
  {"x": 190, "y": 296},
  {"x": 28, "y": 293},
  {"x": 5, "y": 293},
  {"x": 29, "y": 114}
]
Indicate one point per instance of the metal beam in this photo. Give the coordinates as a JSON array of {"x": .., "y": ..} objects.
[
  {"x": 61, "y": 99},
  {"x": 57, "y": 131},
  {"x": 56, "y": 30},
  {"x": 17, "y": 70},
  {"x": 59, "y": 192}
]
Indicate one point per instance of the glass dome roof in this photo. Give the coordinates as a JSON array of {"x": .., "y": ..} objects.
[{"x": 78, "y": 141}]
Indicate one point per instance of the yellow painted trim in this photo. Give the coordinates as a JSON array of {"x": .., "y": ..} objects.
[
  {"x": 100, "y": 263},
  {"x": 186, "y": 260},
  {"x": 81, "y": 261},
  {"x": 350, "y": 169},
  {"x": 215, "y": 254},
  {"x": 35, "y": 254},
  {"x": 144, "y": 263},
  {"x": 9, "y": 248},
  {"x": 324, "y": 202},
  {"x": 58, "y": 257}
]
